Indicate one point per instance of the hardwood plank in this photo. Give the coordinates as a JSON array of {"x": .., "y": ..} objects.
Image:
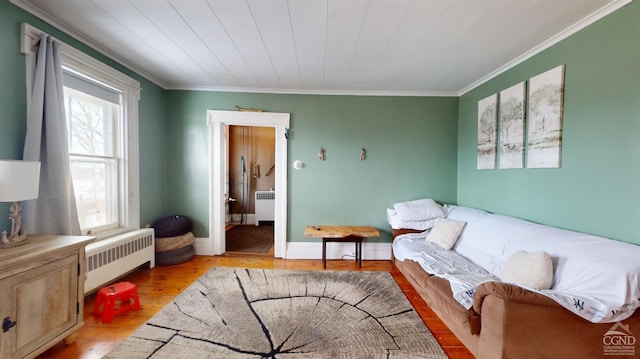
[
  {"x": 158, "y": 286},
  {"x": 435, "y": 324},
  {"x": 458, "y": 352}
]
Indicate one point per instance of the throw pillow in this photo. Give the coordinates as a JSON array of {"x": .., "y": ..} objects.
[
  {"x": 446, "y": 232},
  {"x": 533, "y": 270}
]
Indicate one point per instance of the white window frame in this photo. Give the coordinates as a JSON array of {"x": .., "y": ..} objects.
[{"x": 129, "y": 196}]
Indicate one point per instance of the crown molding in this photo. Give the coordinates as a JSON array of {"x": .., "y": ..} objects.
[
  {"x": 26, "y": 6},
  {"x": 592, "y": 18},
  {"x": 316, "y": 92}
]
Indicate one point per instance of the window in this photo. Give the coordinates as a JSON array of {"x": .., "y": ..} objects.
[
  {"x": 101, "y": 105},
  {"x": 94, "y": 115},
  {"x": 102, "y": 124}
]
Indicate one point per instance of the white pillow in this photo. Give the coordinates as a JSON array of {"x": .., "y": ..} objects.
[
  {"x": 396, "y": 223},
  {"x": 446, "y": 232},
  {"x": 533, "y": 270},
  {"x": 466, "y": 214},
  {"x": 419, "y": 210}
]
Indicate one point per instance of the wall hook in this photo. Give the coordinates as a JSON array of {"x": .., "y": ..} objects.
[
  {"x": 363, "y": 154},
  {"x": 321, "y": 154}
]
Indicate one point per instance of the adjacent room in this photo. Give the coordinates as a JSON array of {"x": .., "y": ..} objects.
[
  {"x": 250, "y": 190},
  {"x": 320, "y": 179}
]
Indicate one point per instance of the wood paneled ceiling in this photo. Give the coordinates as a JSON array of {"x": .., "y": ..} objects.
[{"x": 390, "y": 47}]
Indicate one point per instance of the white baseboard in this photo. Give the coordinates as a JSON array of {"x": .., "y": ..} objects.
[
  {"x": 338, "y": 250},
  {"x": 249, "y": 218},
  {"x": 203, "y": 247},
  {"x": 313, "y": 250}
]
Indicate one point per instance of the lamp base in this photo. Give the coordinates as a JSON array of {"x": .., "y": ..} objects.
[
  {"x": 13, "y": 241},
  {"x": 18, "y": 234}
]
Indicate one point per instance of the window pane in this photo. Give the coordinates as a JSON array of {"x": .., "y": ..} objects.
[
  {"x": 96, "y": 192},
  {"x": 90, "y": 122}
]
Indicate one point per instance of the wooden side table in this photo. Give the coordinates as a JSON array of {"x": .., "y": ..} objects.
[{"x": 341, "y": 234}]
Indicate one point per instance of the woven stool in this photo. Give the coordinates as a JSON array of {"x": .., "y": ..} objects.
[
  {"x": 172, "y": 226},
  {"x": 165, "y": 244},
  {"x": 126, "y": 292},
  {"x": 174, "y": 250}
]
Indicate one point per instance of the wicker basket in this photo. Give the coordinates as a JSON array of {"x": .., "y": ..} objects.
[
  {"x": 164, "y": 244},
  {"x": 172, "y": 226},
  {"x": 175, "y": 256}
]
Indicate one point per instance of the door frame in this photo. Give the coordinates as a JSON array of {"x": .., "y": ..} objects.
[{"x": 217, "y": 120}]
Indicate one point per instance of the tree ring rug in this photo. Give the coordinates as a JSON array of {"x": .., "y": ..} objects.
[{"x": 266, "y": 313}]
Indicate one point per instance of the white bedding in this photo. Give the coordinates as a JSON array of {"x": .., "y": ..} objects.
[
  {"x": 594, "y": 277},
  {"x": 419, "y": 210},
  {"x": 396, "y": 222},
  {"x": 463, "y": 275}
]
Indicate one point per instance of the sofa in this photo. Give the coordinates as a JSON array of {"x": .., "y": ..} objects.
[{"x": 588, "y": 310}]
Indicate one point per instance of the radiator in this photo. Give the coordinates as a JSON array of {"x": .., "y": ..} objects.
[
  {"x": 265, "y": 206},
  {"x": 113, "y": 257}
]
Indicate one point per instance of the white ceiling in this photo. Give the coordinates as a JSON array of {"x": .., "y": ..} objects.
[{"x": 403, "y": 47}]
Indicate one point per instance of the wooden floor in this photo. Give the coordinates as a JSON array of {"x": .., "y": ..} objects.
[{"x": 158, "y": 286}]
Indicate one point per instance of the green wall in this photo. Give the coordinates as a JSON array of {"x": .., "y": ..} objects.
[
  {"x": 597, "y": 188},
  {"x": 410, "y": 143},
  {"x": 13, "y": 109},
  {"x": 416, "y": 147}
]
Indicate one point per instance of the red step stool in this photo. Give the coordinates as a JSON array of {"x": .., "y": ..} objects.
[{"x": 124, "y": 291}]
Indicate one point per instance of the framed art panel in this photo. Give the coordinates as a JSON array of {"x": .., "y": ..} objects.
[
  {"x": 544, "y": 130},
  {"x": 487, "y": 132},
  {"x": 512, "y": 126}
]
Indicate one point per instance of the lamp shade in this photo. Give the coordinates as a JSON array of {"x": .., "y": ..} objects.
[{"x": 19, "y": 180}]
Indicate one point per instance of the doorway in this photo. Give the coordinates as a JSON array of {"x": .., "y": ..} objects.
[
  {"x": 218, "y": 122},
  {"x": 250, "y": 173},
  {"x": 250, "y": 190}
]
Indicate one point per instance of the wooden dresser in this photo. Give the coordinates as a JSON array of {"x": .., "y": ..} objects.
[{"x": 41, "y": 293}]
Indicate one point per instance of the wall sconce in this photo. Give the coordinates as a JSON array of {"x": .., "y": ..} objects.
[{"x": 19, "y": 181}]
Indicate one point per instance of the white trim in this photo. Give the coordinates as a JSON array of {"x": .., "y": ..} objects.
[
  {"x": 130, "y": 214},
  {"x": 595, "y": 16},
  {"x": 25, "y": 5},
  {"x": 216, "y": 121},
  {"x": 612, "y": 6},
  {"x": 203, "y": 246},
  {"x": 249, "y": 218},
  {"x": 27, "y": 41},
  {"x": 338, "y": 250},
  {"x": 317, "y": 92},
  {"x": 78, "y": 59}
]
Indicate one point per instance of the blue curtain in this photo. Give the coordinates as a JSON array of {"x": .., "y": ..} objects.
[{"x": 54, "y": 211}]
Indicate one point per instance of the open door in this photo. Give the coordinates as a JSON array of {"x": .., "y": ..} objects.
[{"x": 217, "y": 121}]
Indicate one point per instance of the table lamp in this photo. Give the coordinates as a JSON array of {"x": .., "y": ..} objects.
[{"x": 19, "y": 181}]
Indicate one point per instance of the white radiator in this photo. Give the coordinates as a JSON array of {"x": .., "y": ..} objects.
[
  {"x": 265, "y": 206},
  {"x": 110, "y": 258}
]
